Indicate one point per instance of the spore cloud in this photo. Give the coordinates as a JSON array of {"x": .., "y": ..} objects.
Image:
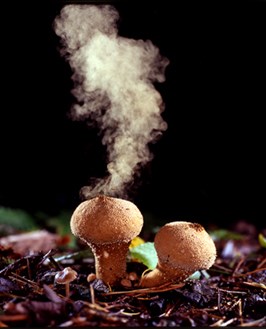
[{"x": 113, "y": 84}]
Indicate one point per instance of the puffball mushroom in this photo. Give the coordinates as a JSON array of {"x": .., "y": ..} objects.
[
  {"x": 182, "y": 248},
  {"x": 107, "y": 225}
]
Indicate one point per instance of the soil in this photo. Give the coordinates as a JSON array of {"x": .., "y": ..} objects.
[{"x": 231, "y": 293}]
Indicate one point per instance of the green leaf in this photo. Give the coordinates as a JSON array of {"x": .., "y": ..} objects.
[
  {"x": 61, "y": 223},
  {"x": 262, "y": 240},
  {"x": 195, "y": 276},
  {"x": 17, "y": 218},
  {"x": 146, "y": 254},
  {"x": 225, "y": 235}
]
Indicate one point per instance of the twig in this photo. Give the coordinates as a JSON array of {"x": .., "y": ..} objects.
[
  {"x": 19, "y": 263},
  {"x": 225, "y": 324},
  {"x": 221, "y": 323},
  {"x": 255, "y": 323},
  {"x": 263, "y": 262},
  {"x": 251, "y": 272},
  {"x": 55, "y": 263},
  {"x": 95, "y": 307},
  {"x": 232, "y": 291},
  {"x": 28, "y": 267},
  {"x": 2, "y": 325},
  {"x": 255, "y": 285},
  {"x": 13, "y": 318},
  {"x": 217, "y": 323},
  {"x": 220, "y": 269},
  {"x": 19, "y": 278},
  {"x": 146, "y": 290},
  {"x": 24, "y": 280},
  {"x": 241, "y": 261}
]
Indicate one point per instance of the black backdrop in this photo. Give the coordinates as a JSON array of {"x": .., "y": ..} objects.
[{"x": 208, "y": 166}]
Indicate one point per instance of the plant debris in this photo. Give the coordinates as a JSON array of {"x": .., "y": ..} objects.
[{"x": 232, "y": 294}]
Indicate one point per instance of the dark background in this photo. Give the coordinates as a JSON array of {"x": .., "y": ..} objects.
[{"x": 208, "y": 166}]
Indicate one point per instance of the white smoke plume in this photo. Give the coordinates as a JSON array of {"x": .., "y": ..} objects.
[{"x": 113, "y": 85}]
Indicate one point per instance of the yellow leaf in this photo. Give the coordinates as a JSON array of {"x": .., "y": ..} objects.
[{"x": 136, "y": 242}]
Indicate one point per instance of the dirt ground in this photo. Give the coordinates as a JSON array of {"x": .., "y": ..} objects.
[{"x": 231, "y": 293}]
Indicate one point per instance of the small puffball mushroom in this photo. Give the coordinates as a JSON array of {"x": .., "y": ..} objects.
[
  {"x": 182, "y": 248},
  {"x": 107, "y": 225}
]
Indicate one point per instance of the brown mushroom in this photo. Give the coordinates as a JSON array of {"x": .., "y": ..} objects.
[
  {"x": 65, "y": 277},
  {"x": 107, "y": 225},
  {"x": 182, "y": 249}
]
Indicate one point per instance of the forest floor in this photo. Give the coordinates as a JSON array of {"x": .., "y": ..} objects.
[{"x": 231, "y": 293}]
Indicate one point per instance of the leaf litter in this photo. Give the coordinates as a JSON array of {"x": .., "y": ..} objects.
[{"x": 231, "y": 293}]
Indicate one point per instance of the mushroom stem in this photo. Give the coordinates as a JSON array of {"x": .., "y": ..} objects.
[
  {"x": 110, "y": 261},
  {"x": 67, "y": 289},
  {"x": 162, "y": 275}
]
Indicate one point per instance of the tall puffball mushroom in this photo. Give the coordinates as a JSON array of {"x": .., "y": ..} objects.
[
  {"x": 107, "y": 225},
  {"x": 182, "y": 248}
]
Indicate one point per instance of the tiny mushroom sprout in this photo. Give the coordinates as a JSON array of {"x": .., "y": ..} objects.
[
  {"x": 107, "y": 225},
  {"x": 182, "y": 249},
  {"x": 65, "y": 277}
]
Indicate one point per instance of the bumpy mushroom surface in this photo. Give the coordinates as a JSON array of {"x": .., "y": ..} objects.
[
  {"x": 182, "y": 249},
  {"x": 107, "y": 225}
]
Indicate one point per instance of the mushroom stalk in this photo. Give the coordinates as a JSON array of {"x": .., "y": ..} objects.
[
  {"x": 164, "y": 274},
  {"x": 67, "y": 289},
  {"x": 110, "y": 261}
]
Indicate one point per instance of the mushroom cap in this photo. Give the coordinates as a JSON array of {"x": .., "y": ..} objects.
[
  {"x": 106, "y": 219},
  {"x": 66, "y": 276},
  {"x": 185, "y": 245}
]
